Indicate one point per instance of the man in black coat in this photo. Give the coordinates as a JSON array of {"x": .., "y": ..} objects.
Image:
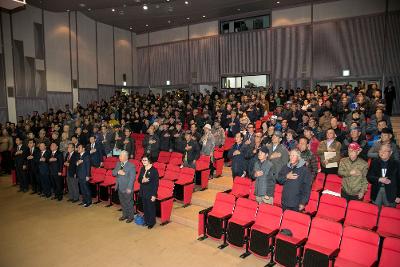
[
  {"x": 31, "y": 163},
  {"x": 96, "y": 152},
  {"x": 128, "y": 143},
  {"x": 83, "y": 174},
  {"x": 178, "y": 138},
  {"x": 192, "y": 151},
  {"x": 296, "y": 179},
  {"x": 70, "y": 163},
  {"x": 56, "y": 165},
  {"x": 151, "y": 144},
  {"x": 237, "y": 154},
  {"x": 390, "y": 96},
  {"x": 384, "y": 176},
  {"x": 19, "y": 159}
]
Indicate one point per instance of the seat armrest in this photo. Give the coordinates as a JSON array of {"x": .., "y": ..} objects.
[
  {"x": 334, "y": 254},
  {"x": 249, "y": 224},
  {"x": 165, "y": 199},
  {"x": 206, "y": 211},
  {"x": 228, "y": 191},
  {"x": 301, "y": 242},
  {"x": 227, "y": 217}
]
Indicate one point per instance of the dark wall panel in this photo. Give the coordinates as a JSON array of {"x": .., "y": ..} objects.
[
  {"x": 26, "y": 106},
  {"x": 106, "y": 91},
  {"x": 3, "y": 89},
  {"x": 204, "y": 60},
  {"x": 58, "y": 100},
  {"x": 87, "y": 96},
  {"x": 3, "y": 115},
  {"x": 19, "y": 68},
  {"x": 143, "y": 66}
]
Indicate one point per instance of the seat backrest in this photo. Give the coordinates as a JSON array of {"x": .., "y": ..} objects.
[
  {"x": 164, "y": 156},
  {"x": 361, "y": 214},
  {"x": 159, "y": 165},
  {"x": 241, "y": 186},
  {"x": 251, "y": 191},
  {"x": 189, "y": 172},
  {"x": 245, "y": 210},
  {"x": 224, "y": 203},
  {"x": 166, "y": 184},
  {"x": 325, "y": 233},
  {"x": 359, "y": 246},
  {"x": 176, "y": 155},
  {"x": 204, "y": 158},
  {"x": 109, "y": 178},
  {"x": 390, "y": 256},
  {"x": 109, "y": 173},
  {"x": 333, "y": 183},
  {"x": 331, "y": 207},
  {"x": 298, "y": 223},
  {"x": 173, "y": 168},
  {"x": 269, "y": 216},
  {"x": 389, "y": 222},
  {"x": 278, "y": 194}
]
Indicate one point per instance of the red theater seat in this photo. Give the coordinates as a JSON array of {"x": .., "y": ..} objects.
[
  {"x": 110, "y": 162},
  {"x": 165, "y": 200},
  {"x": 214, "y": 220},
  {"x": 332, "y": 208},
  {"x": 312, "y": 205},
  {"x": 239, "y": 224},
  {"x": 202, "y": 171},
  {"x": 323, "y": 243},
  {"x": 218, "y": 162},
  {"x": 389, "y": 222},
  {"x": 164, "y": 157},
  {"x": 278, "y": 195},
  {"x": 319, "y": 182},
  {"x": 176, "y": 159},
  {"x": 359, "y": 247},
  {"x": 108, "y": 183},
  {"x": 160, "y": 168},
  {"x": 184, "y": 186},
  {"x": 172, "y": 172},
  {"x": 333, "y": 183},
  {"x": 251, "y": 191},
  {"x": 288, "y": 249},
  {"x": 98, "y": 176},
  {"x": 390, "y": 256},
  {"x": 264, "y": 230},
  {"x": 240, "y": 187},
  {"x": 362, "y": 215}
]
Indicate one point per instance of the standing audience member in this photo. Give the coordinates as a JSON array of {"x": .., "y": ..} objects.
[
  {"x": 83, "y": 174},
  {"x": 56, "y": 165},
  {"x": 237, "y": 155},
  {"x": 72, "y": 180},
  {"x": 6, "y": 146},
  {"x": 329, "y": 153},
  {"x": 265, "y": 184}
]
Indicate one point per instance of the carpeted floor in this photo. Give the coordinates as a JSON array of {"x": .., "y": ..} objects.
[{"x": 39, "y": 232}]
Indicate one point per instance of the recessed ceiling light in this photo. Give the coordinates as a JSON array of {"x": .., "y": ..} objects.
[
  {"x": 67, "y": 10},
  {"x": 186, "y": 2},
  {"x": 278, "y": 2},
  {"x": 147, "y": 25},
  {"x": 89, "y": 9},
  {"x": 113, "y": 10},
  {"x": 121, "y": 12},
  {"x": 157, "y": 6},
  {"x": 187, "y": 18},
  {"x": 124, "y": 5},
  {"x": 167, "y": 0},
  {"x": 204, "y": 16},
  {"x": 238, "y": 9},
  {"x": 169, "y": 22},
  {"x": 130, "y": 27},
  {"x": 82, "y": 5},
  {"x": 145, "y": 7}
]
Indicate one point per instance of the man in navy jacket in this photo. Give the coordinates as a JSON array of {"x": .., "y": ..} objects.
[
  {"x": 56, "y": 165},
  {"x": 96, "y": 152},
  {"x": 83, "y": 174},
  {"x": 44, "y": 170}
]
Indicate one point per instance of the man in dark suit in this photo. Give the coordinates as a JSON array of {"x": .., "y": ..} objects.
[
  {"x": 384, "y": 176},
  {"x": 31, "y": 164},
  {"x": 44, "y": 170},
  {"x": 192, "y": 151},
  {"x": 233, "y": 124},
  {"x": 128, "y": 143},
  {"x": 106, "y": 140},
  {"x": 151, "y": 144},
  {"x": 126, "y": 174},
  {"x": 83, "y": 174},
  {"x": 390, "y": 96},
  {"x": 56, "y": 165},
  {"x": 70, "y": 163},
  {"x": 19, "y": 159},
  {"x": 96, "y": 152}
]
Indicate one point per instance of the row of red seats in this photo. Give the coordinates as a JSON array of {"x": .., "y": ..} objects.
[{"x": 293, "y": 238}]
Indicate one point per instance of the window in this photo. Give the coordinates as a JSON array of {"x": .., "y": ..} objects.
[
  {"x": 249, "y": 81},
  {"x": 245, "y": 24}
]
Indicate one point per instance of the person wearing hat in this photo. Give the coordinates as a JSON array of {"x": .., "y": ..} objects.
[
  {"x": 353, "y": 170},
  {"x": 207, "y": 141},
  {"x": 265, "y": 184},
  {"x": 386, "y": 139}
]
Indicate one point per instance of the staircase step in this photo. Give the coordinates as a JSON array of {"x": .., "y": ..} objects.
[
  {"x": 186, "y": 216},
  {"x": 204, "y": 198}
]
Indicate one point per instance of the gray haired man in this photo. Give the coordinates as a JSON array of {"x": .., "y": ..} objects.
[
  {"x": 126, "y": 174},
  {"x": 265, "y": 183}
]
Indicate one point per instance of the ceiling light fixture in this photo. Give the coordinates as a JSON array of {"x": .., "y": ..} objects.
[
  {"x": 238, "y": 9},
  {"x": 145, "y": 7},
  {"x": 186, "y": 2},
  {"x": 82, "y": 5},
  {"x": 278, "y": 2},
  {"x": 204, "y": 16},
  {"x": 147, "y": 25},
  {"x": 113, "y": 10},
  {"x": 89, "y": 9},
  {"x": 169, "y": 22},
  {"x": 167, "y": 0},
  {"x": 68, "y": 10},
  {"x": 187, "y": 18},
  {"x": 130, "y": 27}
]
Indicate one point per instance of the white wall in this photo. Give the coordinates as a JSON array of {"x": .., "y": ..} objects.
[
  {"x": 291, "y": 16},
  {"x": 87, "y": 52},
  {"x": 56, "y": 35},
  {"x": 203, "y": 29},
  {"x": 105, "y": 55},
  {"x": 347, "y": 8},
  {"x": 123, "y": 56},
  {"x": 170, "y": 35}
]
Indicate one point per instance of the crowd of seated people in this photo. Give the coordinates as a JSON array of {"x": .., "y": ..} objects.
[{"x": 279, "y": 137}]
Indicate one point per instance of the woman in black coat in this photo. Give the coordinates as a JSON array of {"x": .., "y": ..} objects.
[{"x": 148, "y": 179}]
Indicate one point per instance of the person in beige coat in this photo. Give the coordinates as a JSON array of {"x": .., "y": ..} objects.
[{"x": 329, "y": 165}]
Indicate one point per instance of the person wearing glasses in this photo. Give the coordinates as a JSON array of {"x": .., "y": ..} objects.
[
  {"x": 148, "y": 179},
  {"x": 126, "y": 174}
]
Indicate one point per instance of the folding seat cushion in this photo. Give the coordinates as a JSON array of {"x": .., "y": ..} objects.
[
  {"x": 176, "y": 158},
  {"x": 203, "y": 171},
  {"x": 264, "y": 229},
  {"x": 241, "y": 187},
  {"x": 160, "y": 168},
  {"x": 164, "y": 157},
  {"x": 165, "y": 200},
  {"x": 359, "y": 247},
  {"x": 108, "y": 183},
  {"x": 333, "y": 183},
  {"x": 184, "y": 186},
  {"x": 323, "y": 243},
  {"x": 97, "y": 177},
  {"x": 218, "y": 162},
  {"x": 312, "y": 205},
  {"x": 242, "y": 219},
  {"x": 389, "y": 222},
  {"x": 319, "y": 182},
  {"x": 362, "y": 215},
  {"x": 172, "y": 172},
  {"x": 214, "y": 220},
  {"x": 332, "y": 207},
  {"x": 367, "y": 195},
  {"x": 390, "y": 256},
  {"x": 288, "y": 248}
]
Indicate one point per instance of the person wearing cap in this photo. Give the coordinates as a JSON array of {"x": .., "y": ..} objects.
[
  {"x": 265, "y": 184},
  {"x": 384, "y": 176},
  {"x": 309, "y": 158},
  {"x": 296, "y": 180},
  {"x": 278, "y": 154},
  {"x": 353, "y": 170},
  {"x": 207, "y": 141},
  {"x": 386, "y": 139}
]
